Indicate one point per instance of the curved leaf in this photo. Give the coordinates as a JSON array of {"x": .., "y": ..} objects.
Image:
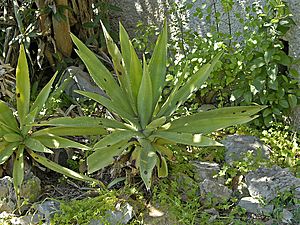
[
  {"x": 60, "y": 169},
  {"x": 157, "y": 65},
  {"x": 115, "y": 137},
  {"x": 104, "y": 156},
  {"x": 145, "y": 98},
  {"x": 70, "y": 131},
  {"x": 148, "y": 160},
  {"x": 52, "y": 141},
  {"x": 162, "y": 167},
  {"x": 208, "y": 121},
  {"x": 7, "y": 117},
  {"x": 42, "y": 96},
  {"x": 186, "y": 138},
  {"x": 22, "y": 86},
  {"x": 18, "y": 170},
  {"x": 37, "y": 146},
  {"x": 6, "y": 150}
]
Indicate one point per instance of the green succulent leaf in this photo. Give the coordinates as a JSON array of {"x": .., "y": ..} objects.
[
  {"x": 145, "y": 98},
  {"x": 148, "y": 159},
  {"x": 192, "y": 85},
  {"x": 60, "y": 169},
  {"x": 107, "y": 156},
  {"x": 12, "y": 137},
  {"x": 37, "y": 146},
  {"x": 7, "y": 117},
  {"x": 164, "y": 150},
  {"x": 157, "y": 65},
  {"x": 157, "y": 123},
  {"x": 42, "y": 97},
  {"x": 6, "y": 150},
  {"x": 52, "y": 141},
  {"x": 70, "y": 131},
  {"x": 18, "y": 170},
  {"x": 132, "y": 63},
  {"x": 115, "y": 137},
  {"x": 84, "y": 121},
  {"x": 110, "y": 105},
  {"x": 162, "y": 167},
  {"x": 208, "y": 121},
  {"x": 102, "y": 77},
  {"x": 186, "y": 138},
  {"x": 22, "y": 86}
]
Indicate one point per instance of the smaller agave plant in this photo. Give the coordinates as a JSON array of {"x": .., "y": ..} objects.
[
  {"x": 19, "y": 138},
  {"x": 147, "y": 124}
]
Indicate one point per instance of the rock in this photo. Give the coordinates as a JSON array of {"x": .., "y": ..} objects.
[
  {"x": 287, "y": 216},
  {"x": 219, "y": 192},
  {"x": 12, "y": 219},
  {"x": 77, "y": 79},
  {"x": 31, "y": 188},
  {"x": 8, "y": 198},
  {"x": 122, "y": 215},
  {"x": 47, "y": 209},
  {"x": 238, "y": 145},
  {"x": 207, "y": 170},
  {"x": 267, "y": 183},
  {"x": 252, "y": 205}
]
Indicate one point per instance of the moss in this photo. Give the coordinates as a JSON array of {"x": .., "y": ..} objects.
[{"x": 84, "y": 211}]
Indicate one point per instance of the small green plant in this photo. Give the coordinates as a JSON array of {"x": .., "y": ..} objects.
[
  {"x": 148, "y": 125},
  {"x": 86, "y": 210},
  {"x": 19, "y": 137}
]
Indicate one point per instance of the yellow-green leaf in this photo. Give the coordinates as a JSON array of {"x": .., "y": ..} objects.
[{"x": 22, "y": 86}]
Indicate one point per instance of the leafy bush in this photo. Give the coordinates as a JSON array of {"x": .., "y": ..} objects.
[
  {"x": 254, "y": 65},
  {"x": 149, "y": 126}
]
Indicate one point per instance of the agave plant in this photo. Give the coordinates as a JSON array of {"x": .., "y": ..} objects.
[
  {"x": 147, "y": 124},
  {"x": 19, "y": 138}
]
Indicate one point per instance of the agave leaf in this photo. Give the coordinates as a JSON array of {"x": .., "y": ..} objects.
[
  {"x": 37, "y": 146},
  {"x": 52, "y": 141},
  {"x": 187, "y": 138},
  {"x": 120, "y": 70},
  {"x": 157, "y": 123},
  {"x": 102, "y": 77},
  {"x": 115, "y": 137},
  {"x": 192, "y": 85},
  {"x": 7, "y": 117},
  {"x": 157, "y": 65},
  {"x": 42, "y": 97},
  {"x": 145, "y": 98},
  {"x": 70, "y": 131},
  {"x": 60, "y": 169},
  {"x": 208, "y": 121},
  {"x": 163, "y": 150},
  {"x": 22, "y": 86},
  {"x": 104, "y": 156},
  {"x": 12, "y": 137},
  {"x": 111, "y": 106},
  {"x": 148, "y": 160},
  {"x": 6, "y": 150},
  {"x": 132, "y": 63},
  {"x": 136, "y": 156},
  {"x": 29, "y": 121},
  {"x": 162, "y": 167},
  {"x": 83, "y": 122},
  {"x": 18, "y": 170}
]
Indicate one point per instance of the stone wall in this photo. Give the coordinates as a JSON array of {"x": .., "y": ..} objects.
[{"x": 153, "y": 11}]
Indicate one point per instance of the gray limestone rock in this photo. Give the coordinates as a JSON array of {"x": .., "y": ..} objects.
[
  {"x": 47, "y": 209},
  {"x": 206, "y": 170},
  {"x": 252, "y": 205},
  {"x": 267, "y": 183},
  {"x": 7, "y": 195},
  {"x": 238, "y": 145},
  {"x": 219, "y": 192}
]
